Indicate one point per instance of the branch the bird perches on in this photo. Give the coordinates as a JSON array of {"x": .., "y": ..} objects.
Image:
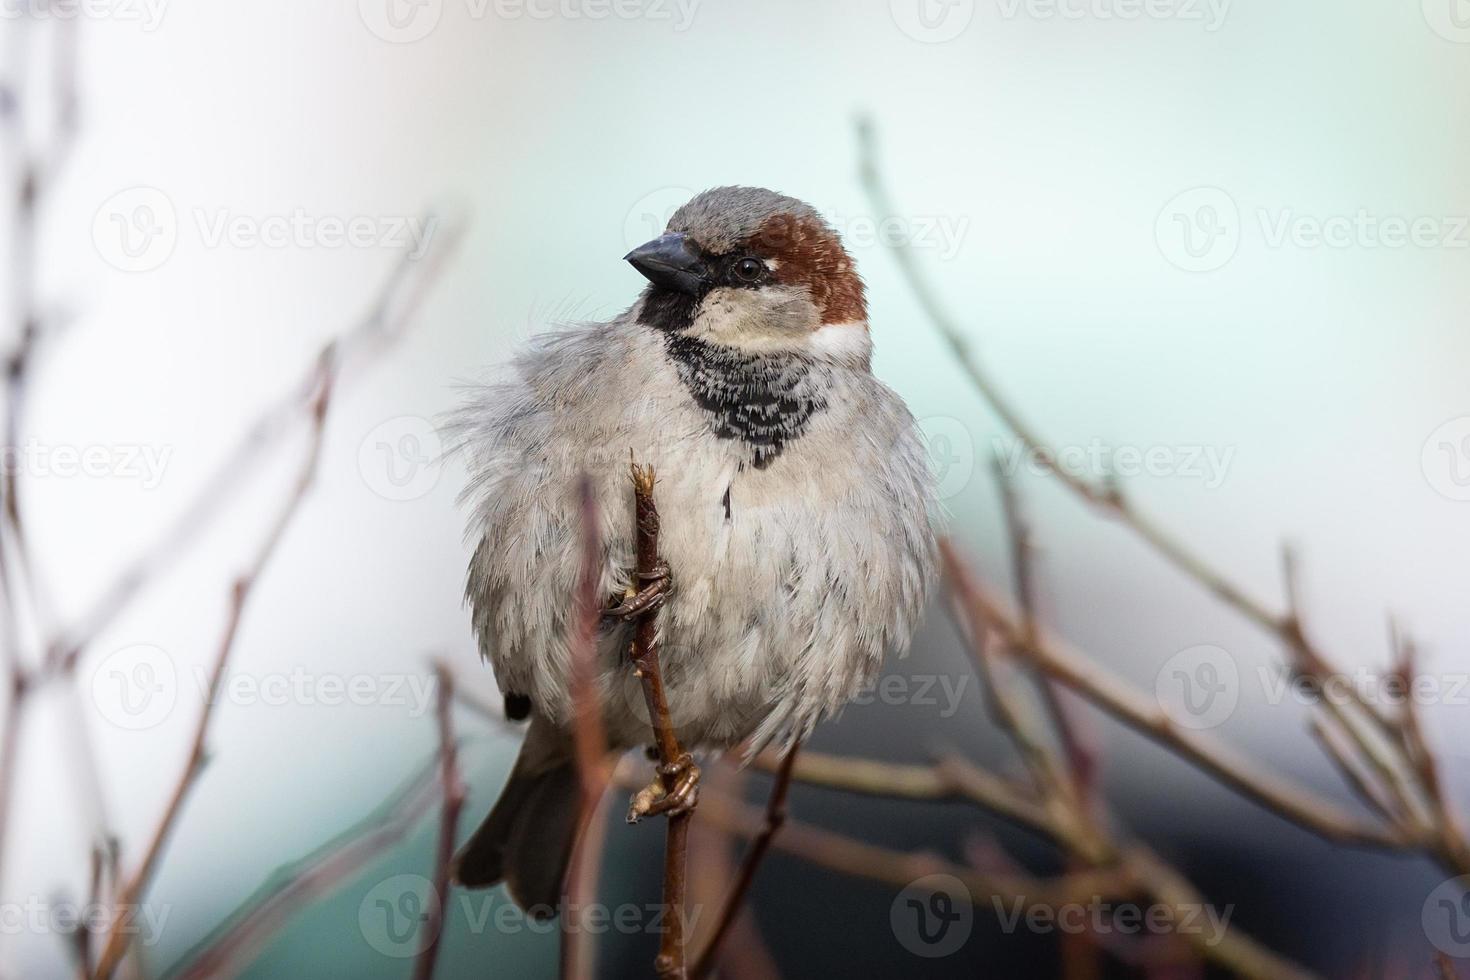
[{"x": 678, "y": 777}]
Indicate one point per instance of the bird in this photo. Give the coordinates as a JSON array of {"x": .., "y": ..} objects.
[{"x": 794, "y": 489}]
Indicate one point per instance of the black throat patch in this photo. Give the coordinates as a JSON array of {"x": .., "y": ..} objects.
[
  {"x": 764, "y": 401},
  {"x": 666, "y": 310}
]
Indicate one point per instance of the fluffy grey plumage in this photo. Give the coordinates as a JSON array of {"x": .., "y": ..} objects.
[{"x": 793, "y": 488}]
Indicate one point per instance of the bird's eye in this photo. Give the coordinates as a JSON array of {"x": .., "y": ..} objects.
[{"x": 750, "y": 269}]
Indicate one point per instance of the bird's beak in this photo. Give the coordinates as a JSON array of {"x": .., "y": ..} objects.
[{"x": 672, "y": 262}]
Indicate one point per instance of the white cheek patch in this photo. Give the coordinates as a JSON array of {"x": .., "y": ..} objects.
[
  {"x": 771, "y": 318},
  {"x": 843, "y": 342}
]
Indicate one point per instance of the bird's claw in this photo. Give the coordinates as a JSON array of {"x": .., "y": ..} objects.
[
  {"x": 654, "y": 588},
  {"x": 681, "y": 796}
]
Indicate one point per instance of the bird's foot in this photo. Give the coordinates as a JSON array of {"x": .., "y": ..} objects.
[
  {"x": 654, "y": 586},
  {"x": 680, "y": 797}
]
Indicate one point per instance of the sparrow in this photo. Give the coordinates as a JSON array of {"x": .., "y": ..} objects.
[{"x": 794, "y": 490}]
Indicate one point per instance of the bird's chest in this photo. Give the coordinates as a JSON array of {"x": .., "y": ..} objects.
[
  {"x": 768, "y": 494},
  {"x": 760, "y": 563},
  {"x": 731, "y": 542},
  {"x": 744, "y": 522}
]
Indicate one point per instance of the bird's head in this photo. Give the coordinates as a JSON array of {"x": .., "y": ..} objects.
[{"x": 751, "y": 269}]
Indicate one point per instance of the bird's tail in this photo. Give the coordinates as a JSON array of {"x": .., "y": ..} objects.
[{"x": 526, "y": 841}]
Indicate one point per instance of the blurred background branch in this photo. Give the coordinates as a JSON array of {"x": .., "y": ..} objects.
[{"x": 1388, "y": 748}]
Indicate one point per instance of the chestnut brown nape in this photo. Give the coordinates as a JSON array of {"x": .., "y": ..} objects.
[{"x": 809, "y": 253}]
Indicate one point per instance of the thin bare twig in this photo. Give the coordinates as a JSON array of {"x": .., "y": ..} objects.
[
  {"x": 1089, "y": 846},
  {"x": 951, "y": 778},
  {"x": 1132, "y": 868},
  {"x": 453, "y": 790},
  {"x": 1078, "y": 758},
  {"x": 1050, "y": 777},
  {"x": 36, "y": 167},
  {"x": 387, "y": 318},
  {"x": 578, "y": 950},
  {"x": 1361, "y": 755},
  {"x": 1079, "y": 951},
  {"x": 1103, "y": 494},
  {"x": 1449, "y": 833},
  {"x": 97, "y": 870},
  {"x": 775, "y": 817},
  {"x": 1234, "y": 950},
  {"x": 669, "y": 964},
  {"x": 134, "y": 886},
  {"x": 579, "y": 942},
  {"x": 712, "y": 866},
  {"x": 1441, "y": 838},
  {"x": 1345, "y": 760},
  {"x": 1138, "y": 874},
  {"x": 1143, "y": 714},
  {"x": 848, "y": 855},
  {"x": 230, "y": 949}
]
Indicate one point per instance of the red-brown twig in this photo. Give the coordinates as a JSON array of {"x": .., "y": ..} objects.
[
  {"x": 951, "y": 778},
  {"x": 712, "y": 866},
  {"x": 775, "y": 817},
  {"x": 1346, "y": 762},
  {"x": 453, "y": 791},
  {"x": 1143, "y": 714},
  {"x": 1079, "y": 953},
  {"x": 136, "y": 884},
  {"x": 36, "y": 167},
  {"x": 15, "y": 701},
  {"x": 383, "y": 324},
  {"x": 1449, "y": 833},
  {"x": 1080, "y": 763},
  {"x": 386, "y": 319},
  {"x": 670, "y": 962},
  {"x": 229, "y": 950},
  {"x": 1388, "y": 759},
  {"x": 1139, "y": 872},
  {"x": 578, "y": 951},
  {"x": 579, "y": 940},
  {"x": 1073, "y": 815},
  {"x": 98, "y": 869}
]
